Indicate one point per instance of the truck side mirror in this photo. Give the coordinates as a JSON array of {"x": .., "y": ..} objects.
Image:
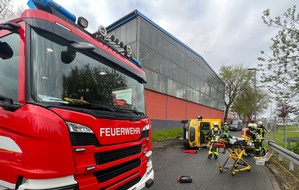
[
  {"x": 69, "y": 55},
  {"x": 11, "y": 26},
  {"x": 5, "y": 50}
]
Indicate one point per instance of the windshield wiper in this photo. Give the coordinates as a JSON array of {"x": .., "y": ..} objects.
[
  {"x": 129, "y": 111},
  {"x": 84, "y": 104},
  {"x": 6, "y": 100},
  {"x": 137, "y": 112}
]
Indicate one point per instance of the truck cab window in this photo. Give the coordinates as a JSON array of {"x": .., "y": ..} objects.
[
  {"x": 9, "y": 61},
  {"x": 87, "y": 78}
]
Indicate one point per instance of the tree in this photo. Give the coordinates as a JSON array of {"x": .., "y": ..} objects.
[
  {"x": 244, "y": 102},
  {"x": 283, "y": 109},
  {"x": 281, "y": 68},
  {"x": 7, "y": 10},
  {"x": 235, "y": 77},
  {"x": 95, "y": 88}
]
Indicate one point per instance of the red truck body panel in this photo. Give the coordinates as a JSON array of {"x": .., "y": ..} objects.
[{"x": 39, "y": 150}]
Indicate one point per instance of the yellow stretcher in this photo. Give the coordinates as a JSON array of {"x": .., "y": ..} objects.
[{"x": 236, "y": 152}]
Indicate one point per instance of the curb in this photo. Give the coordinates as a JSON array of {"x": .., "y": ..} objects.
[
  {"x": 278, "y": 184},
  {"x": 284, "y": 182},
  {"x": 158, "y": 145}
]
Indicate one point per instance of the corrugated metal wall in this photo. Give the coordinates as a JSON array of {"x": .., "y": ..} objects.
[{"x": 167, "y": 112}]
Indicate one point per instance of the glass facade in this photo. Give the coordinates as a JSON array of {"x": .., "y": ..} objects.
[{"x": 171, "y": 67}]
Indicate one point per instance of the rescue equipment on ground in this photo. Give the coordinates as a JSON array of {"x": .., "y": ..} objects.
[
  {"x": 261, "y": 160},
  {"x": 191, "y": 151},
  {"x": 185, "y": 179}
]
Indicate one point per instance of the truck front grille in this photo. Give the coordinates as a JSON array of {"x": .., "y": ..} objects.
[
  {"x": 115, "y": 171},
  {"x": 84, "y": 139},
  {"x": 126, "y": 185},
  {"x": 129, "y": 184},
  {"x": 109, "y": 156}
]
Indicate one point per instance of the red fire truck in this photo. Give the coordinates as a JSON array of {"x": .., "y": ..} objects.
[{"x": 72, "y": 107}]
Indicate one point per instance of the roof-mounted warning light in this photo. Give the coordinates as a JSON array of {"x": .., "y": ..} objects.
[
  {"x": 51, "y": 6},
  {"x": 116, "y": 44},
  {"x": 82, "y": 22}
]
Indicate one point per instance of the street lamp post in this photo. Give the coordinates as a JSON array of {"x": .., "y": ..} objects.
[{"x": 254, "y": 69}]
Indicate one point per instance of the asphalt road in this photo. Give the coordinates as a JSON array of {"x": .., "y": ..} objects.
[{"x": 171, "y": 162}]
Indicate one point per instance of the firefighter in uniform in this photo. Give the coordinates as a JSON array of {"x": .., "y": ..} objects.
[
  {"x": 248, "y": 132},
  {"x": 225, "y": 128},
  {"x": 260, "y": 131},
  {"x": 214, "y": 135},
  {"x": 249, "y": 135}
]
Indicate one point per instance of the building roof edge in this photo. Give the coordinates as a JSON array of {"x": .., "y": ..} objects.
[{"x": 136, "y": 13}]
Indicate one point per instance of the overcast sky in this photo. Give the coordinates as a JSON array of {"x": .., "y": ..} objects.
[{"x": 224, "y": 32}]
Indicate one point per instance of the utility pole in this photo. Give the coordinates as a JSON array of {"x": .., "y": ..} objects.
[{"x": 254, "y": 69}]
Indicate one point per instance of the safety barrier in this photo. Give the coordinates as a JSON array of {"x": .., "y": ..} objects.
[{"x": 291, "y": 156}]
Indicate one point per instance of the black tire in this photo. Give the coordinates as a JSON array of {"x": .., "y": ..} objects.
[{"x": 186, "y": 145}]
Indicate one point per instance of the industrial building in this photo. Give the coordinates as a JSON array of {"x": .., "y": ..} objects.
[{"x": 180, "y": 83}]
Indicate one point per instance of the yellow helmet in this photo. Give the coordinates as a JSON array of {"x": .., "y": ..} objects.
[{"x": 216, "y": 126}]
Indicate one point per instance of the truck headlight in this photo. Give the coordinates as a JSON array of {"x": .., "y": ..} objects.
[
  {"x": 81, "y": 135},
  {"x": 78, "y": 128}
]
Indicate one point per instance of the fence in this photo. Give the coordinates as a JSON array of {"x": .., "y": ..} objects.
[{"x": 291, "y": 156}]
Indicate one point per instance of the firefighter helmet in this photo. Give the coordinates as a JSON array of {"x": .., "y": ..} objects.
[
  {"x": 254, "y": 126},
  {"x": 215, "y": 126},
  {"x": 225, "y": 127}
]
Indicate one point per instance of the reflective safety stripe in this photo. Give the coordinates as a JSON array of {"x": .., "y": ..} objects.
[
  {"x": 52, "y": 183},
  {"x": 5, "y": 185},
  {"x": 244, "y": 134},
  {"x": 7, "y": 143}
]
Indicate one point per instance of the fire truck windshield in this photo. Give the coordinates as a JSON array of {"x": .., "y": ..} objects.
[{"x": 88, "y": 78}]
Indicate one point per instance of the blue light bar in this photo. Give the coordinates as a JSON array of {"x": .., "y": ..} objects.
[
  {"x": 49, "y": 5},
  {"x": 136, "y": 62}
]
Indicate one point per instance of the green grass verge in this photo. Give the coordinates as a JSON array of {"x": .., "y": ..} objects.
[
  {"x": 165, "y": 134},
  {"x": 278, "y": 136},
  {"x": 290, "y": 128}
]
